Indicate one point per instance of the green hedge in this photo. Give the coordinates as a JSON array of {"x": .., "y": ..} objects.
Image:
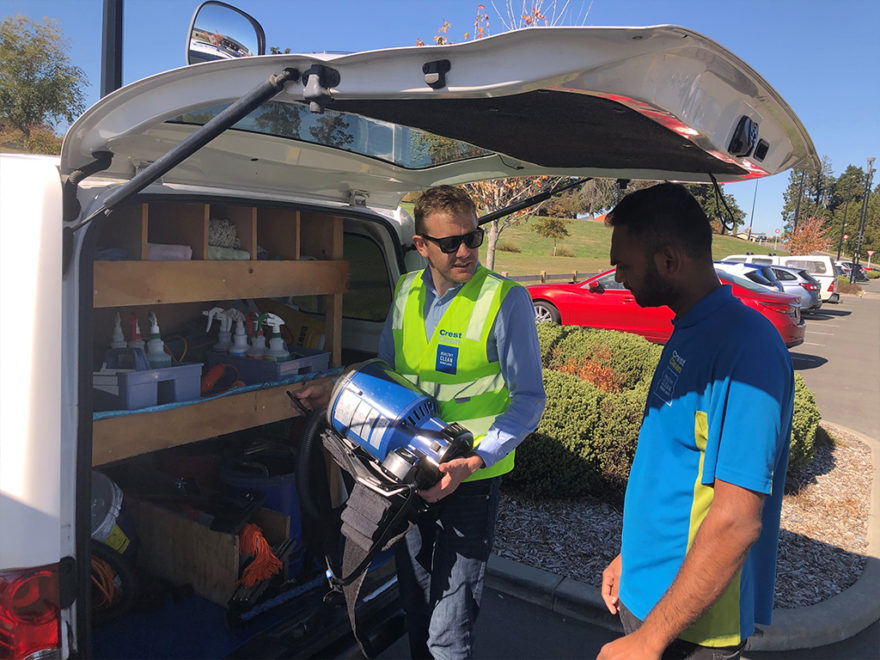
[
  {"x": 804, "y": 424},
  {"x": 586, "y": 439}
]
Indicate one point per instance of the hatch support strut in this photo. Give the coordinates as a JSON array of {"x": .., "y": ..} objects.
[{"x": 529, "y": 201}]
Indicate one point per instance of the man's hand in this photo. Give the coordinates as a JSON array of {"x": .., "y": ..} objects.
[
  {"x": 611, "y": 585},
  {"x": 316, "y": 394},
  {"x": 630, "y": 647},
  {"x": 452, "y": 473}
]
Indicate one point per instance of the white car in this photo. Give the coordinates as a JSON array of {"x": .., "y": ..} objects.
[
  {"x": 819, "y": 266},
  {"x": 319, "y": 194}
]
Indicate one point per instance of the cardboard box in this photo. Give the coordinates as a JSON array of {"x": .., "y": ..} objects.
[{"x": 184, "y": 551}]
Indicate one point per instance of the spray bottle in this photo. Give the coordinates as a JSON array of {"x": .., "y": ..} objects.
[
  {"x": 155, "y": 346},
  {"x": 225, "y": 333},
  {"x": 258, "y": 341},
  {"x": 118, "y": 340},
  {"x": 136, "y": 340},
  {"x": 239, "y": 339},
  {"x": 277, "y": 352}
]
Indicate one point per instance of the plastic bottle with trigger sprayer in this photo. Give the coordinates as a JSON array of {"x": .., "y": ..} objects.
[
  {"x": 118, "y": 340},
  {"x": 224, "y": 335},
  {"x": 239, "y": 346},
  {"x": 156, "y": 354},
  {"x": 276, "y": 352},
  {"x": 258, "y": 341},
  {"x": 136, "y": 340}
]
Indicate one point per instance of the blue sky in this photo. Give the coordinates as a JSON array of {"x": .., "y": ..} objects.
[{"x": 820, "y": 56}]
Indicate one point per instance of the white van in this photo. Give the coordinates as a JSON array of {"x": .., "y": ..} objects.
[
  {"x": 821, "y": 267},
  {"x": 313, "y": 200}
]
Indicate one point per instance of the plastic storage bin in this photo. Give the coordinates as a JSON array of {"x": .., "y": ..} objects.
[
  {"x": 253, "y": 371},
  {"x": 151, "y": 387}
]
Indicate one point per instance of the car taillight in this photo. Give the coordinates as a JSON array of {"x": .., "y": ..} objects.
[
  {"x": 30, "y": 614},
  {"x": 781, "y": 307},
  {"x": 831, "y": 287},
  {"x": 809, "y": 286}
]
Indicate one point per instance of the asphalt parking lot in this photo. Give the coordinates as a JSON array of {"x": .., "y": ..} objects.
[{"x": 840, "y": 360}]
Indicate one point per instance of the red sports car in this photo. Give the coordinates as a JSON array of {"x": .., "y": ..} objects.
[{"x": 600, "y": 302}]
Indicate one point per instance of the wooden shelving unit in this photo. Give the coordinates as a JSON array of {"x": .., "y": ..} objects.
[{"x": 311, "y": 263}]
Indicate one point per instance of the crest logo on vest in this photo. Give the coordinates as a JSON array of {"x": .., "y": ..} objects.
[{"x": 447, "y": 359}]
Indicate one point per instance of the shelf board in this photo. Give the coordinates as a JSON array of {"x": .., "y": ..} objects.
[
  {"x": 123, "y": 283},
  {"x": 116, "y": 438}
]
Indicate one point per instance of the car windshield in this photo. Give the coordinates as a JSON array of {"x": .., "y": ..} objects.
[
  {"x": 729, "y": 278},
  {"x": 401, "y": 145}
]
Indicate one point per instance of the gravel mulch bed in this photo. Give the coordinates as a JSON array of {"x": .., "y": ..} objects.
[{"x": 822, "y": 543}]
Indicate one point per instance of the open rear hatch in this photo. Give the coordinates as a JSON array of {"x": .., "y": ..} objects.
[{"x": 637, "y": 103}]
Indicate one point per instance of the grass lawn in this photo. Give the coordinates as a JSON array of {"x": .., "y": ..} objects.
[{"x": 589, "y": 242}]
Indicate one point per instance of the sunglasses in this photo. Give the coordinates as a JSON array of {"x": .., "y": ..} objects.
[{"x": 450, "y": 244}]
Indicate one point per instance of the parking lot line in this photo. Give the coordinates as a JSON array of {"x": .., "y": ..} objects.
[
  {"x": 816, "y": 332},
  {"x": 806, "y": 343}
]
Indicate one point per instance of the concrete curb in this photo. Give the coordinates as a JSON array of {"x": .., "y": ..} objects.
[{"x": 830, "y": 621}]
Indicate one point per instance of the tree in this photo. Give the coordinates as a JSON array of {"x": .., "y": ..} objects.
[
  {"x": 38, "y": 84},
  {"x": 810, "y": 236},
  {"x": 809, "y": 192},
  {"x": 551, "y": 227},
  {"x": 715, "y": 209}
]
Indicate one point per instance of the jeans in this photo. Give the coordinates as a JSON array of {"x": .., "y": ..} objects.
[
  {"x": 680, "y": 649},
  {"x": 441, "y": 565}
]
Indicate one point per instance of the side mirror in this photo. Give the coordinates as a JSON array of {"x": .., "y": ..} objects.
[
  {"x": 221, "y": 32},
  {"x": 595, "y": 287}
]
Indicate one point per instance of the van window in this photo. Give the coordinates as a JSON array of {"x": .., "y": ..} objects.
[
  {"x": 369, "y": 288},
  {"x": 762, "y": 260},
  {"x": 809, "y": 265}
]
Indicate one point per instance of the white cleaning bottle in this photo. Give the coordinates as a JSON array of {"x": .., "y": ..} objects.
[
  {"x": 224, "y": 335},
  {"x": 156, "y": 347},
  {"x": 277, "y": 352},
  {"x": 258, "y": 341},
  {"x": 118, "y": 340},
  {"x": 239, "y": 339},
  {"x": 136, "y": 340}
]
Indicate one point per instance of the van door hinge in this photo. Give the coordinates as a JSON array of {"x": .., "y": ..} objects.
[
  {"x": 435, "y": 73},
  {"x": 358, "y": 197},
  {"x": 67, "y": 581}
]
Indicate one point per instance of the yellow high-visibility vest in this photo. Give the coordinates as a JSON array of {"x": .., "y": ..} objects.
[{"x": 452, "y": 365}]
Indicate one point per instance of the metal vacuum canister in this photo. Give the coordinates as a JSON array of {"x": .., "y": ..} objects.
[{"x": 395, "y": 422}]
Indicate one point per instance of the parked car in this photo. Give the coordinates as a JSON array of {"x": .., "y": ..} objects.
[
  {"x": 820, "y": 267},
  {"x": 799, "y": 282},
  {"x": 849, "y": 267},
  {"x": 312, "y": 178},
  {"x": 602, "y": 302},
  {"x": 757, "y": 273}
]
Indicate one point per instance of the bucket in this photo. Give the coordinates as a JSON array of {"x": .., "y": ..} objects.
[
  {"x": 271, "y": 473},
  {"x": 110, "y": 524}
]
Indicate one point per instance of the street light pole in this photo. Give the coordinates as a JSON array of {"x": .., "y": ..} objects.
[
  {"x": 797, "y": 206},
  {"x": 843, "y": 226},
  {"x": 861, "y": 235}
]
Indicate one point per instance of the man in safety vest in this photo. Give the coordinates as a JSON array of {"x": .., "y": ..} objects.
[{"x": 466, "y": 336}]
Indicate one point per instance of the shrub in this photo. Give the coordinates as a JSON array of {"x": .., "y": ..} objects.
[
  {"x": 872, "y": 274},
  {"x": 508, "y": 246},
  {"x": 557, "y": 460},
  {"x": 617, "y": 434},
  {"x": 804, "y": 424},
  {"x": 632, "y": 357},
  {"x": 562, "y": 251}
]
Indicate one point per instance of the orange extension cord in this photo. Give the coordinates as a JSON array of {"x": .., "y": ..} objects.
[
  {"x": 104, "y": 578},
  {"x": 265, "y": 563}
]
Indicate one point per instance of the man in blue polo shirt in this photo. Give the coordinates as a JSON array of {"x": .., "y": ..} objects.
[{"x": 701, "y": 517}]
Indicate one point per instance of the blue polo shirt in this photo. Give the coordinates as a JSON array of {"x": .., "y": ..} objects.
[{"x": 719, "y": 407}]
